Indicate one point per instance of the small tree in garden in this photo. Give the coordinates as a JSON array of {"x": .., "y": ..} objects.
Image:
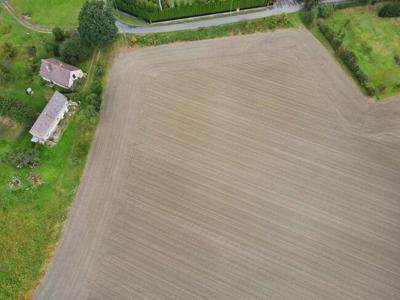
[
  {"x": 59, "y": 34},
  {"x": 97, "y": 24},
  {"x": 73, "y": 50}
]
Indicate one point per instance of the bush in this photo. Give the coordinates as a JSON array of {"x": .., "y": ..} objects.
[
  {"x": 131, "y": 40},
  {"x": 5, "y": 71},
  {"x": 150, "y": 11},
  {"x": 22, "y": 158},
  {"x": 32, "y": 67},
  {"x": 326, "y": 11},
  {"x": 31, "y": 50},
  {"x": 311, "y": 15},
  {"x": 94, "y": 100},
  {"x": 52, "y": 48},
  {"x": 8, "y": 50},
  {"x": 91, "y": 111},
  {"x": 371, "y": 91},
  {"x": 390, "y": 10},
  {"x": 99, "y": 69},
  {"x": 397, "y": 59},
  {"x": 74, "y": 50},
  {"x": 309, "y": 4},
  {"x": 59, "y": 35},
  {"x": 16, "y": 110},
  {"x": 97, "y": 87}
]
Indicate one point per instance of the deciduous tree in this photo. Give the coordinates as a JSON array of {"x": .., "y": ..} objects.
[{"x": 97, "y": 24}]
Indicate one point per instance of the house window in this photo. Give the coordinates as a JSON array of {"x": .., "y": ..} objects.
[{"x": 73, "y": 76}]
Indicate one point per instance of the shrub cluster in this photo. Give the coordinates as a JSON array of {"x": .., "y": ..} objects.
[
  {"x": 326, "y": 11},
  {"x": 22, "y": 158},
  {"x": 93, "y": 98},
  {"x": 74, "y": 50},
  {"x": 150, "y": 10},
  {"x": 16, "y": 110},
  {"x": 390, "y": 10},
  {"x": 348, "y": 57}
]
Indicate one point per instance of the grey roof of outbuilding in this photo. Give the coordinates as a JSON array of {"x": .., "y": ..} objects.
[
  {"x": 49, "y": 114},
  {"x": 56, "y": 71}
]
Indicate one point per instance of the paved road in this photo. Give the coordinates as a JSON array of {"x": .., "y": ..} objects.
[
  {"x": 246, "y": 167},
  {"x": 125, "y": 28}
]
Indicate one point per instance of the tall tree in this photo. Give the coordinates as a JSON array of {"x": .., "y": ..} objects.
[{"x": 97, "y": 24}]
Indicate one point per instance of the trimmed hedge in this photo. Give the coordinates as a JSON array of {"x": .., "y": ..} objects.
[
  {"x": 150, "y": 11},
  {"x": 390, "y": 10},
  {"x": 16, "y": 110},
  {"x": 348, "y": 57}
]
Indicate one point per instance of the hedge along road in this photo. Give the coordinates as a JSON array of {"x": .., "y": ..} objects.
[{"x": 125, "y": 28}]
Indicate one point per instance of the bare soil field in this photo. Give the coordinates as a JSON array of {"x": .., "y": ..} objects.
[{"x": 248, "y": 167}]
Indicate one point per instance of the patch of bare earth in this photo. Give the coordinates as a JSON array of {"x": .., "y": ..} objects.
[{"x": 240, "y": 168}]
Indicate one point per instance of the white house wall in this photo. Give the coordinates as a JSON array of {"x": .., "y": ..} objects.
[{"x": 78, "y": 74}]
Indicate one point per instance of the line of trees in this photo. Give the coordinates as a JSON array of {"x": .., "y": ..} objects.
[{"x": 348, "y": 57}]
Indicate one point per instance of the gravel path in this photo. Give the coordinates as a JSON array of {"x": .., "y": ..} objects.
[
  {"x": 247, "y": 167},
  {"x": 21, "y": 20}
]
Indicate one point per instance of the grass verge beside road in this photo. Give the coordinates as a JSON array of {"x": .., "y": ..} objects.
[{"x": 244, "y": 27}]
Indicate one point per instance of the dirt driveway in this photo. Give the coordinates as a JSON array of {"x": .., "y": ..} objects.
[{"x": 241, "y": 168}]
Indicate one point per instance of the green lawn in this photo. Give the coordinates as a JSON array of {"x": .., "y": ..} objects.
[
  {"x": 375, "y": 41},
  {"x": 31, "y": 217},
  {"x": 63, "y": 13}
]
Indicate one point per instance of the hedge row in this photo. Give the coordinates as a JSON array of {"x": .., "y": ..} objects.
[
  {"x": 348, "y": 57},
  {"x": 390, "y": 10},
  {"x": 16, "y": 110},
  {"x": 150, "y": 12}
]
